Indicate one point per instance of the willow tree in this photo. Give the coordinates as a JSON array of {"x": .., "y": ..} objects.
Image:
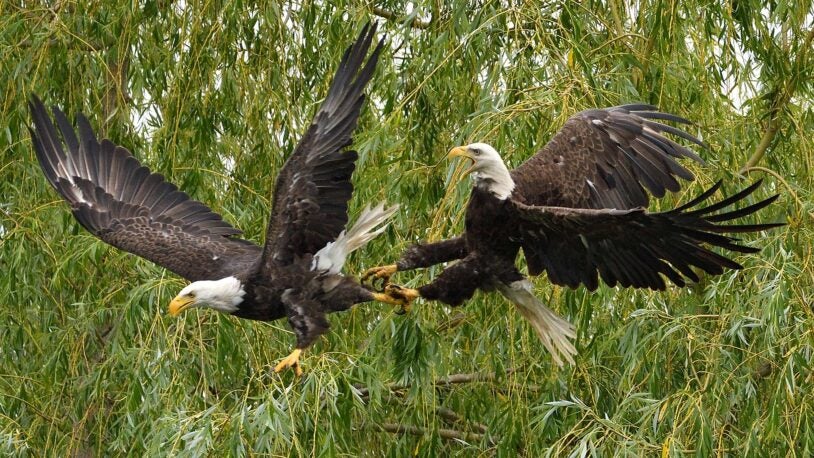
[{"x": 214, "y": 95}]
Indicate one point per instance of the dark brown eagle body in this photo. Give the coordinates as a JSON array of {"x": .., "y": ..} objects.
[
  {"x": 120, "y": 201},
  {"x": 490, "y": 238},
  {"x": 486, "y": 253},
  {"x": 298, "y": 293}
]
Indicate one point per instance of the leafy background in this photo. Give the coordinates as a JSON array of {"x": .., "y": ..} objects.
[{"x": 215, "y": 95}]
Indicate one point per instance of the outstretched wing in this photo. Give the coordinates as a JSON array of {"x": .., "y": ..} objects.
[
  {"x": 635, "y": 247},
  {"x": 605, "y": 158},
  {"x": 117, "y": 199},
  {"x": 313, "y": 188}
]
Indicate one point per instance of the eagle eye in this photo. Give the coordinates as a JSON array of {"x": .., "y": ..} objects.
[{"x": 476, "y": 151}]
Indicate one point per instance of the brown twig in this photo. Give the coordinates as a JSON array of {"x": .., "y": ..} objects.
[
  {"x": 449, "y": 434},
  {"x": 469, "y": 378},
  {"x": 443, "y": 412},
  {"x": 453, "y": 379},
  {"x": 452, "y": 322},
  {"x": 416, "y": 22},
  {"x": 452, "y": 417}
]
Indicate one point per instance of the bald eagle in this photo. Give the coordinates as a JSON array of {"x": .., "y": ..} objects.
[
  {"x": 296, "y": 274},
  {"x": 577, "y": 210}
]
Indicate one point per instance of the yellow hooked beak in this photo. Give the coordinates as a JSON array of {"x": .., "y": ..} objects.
[
  {"x": 462, "y": 151},
  {"x": 179, "y": 304}
]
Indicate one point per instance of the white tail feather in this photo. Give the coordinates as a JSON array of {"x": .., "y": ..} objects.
[
  {"x": 555, "y": 332},
  {"x": 332, "y": 256}
]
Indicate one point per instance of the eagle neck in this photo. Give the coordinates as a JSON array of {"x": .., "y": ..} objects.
[{"x": 495, "y": 180}]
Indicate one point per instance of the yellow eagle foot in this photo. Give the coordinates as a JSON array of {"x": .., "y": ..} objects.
[
  {"x": 397, "y": 295},
  {"x": 292, "y": 360},
  {"x": 377, "y": 278}
]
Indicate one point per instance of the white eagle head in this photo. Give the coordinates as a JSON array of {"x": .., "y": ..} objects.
[
  {"x": 223, "y": 295},
  {"x": 488, "y": 170}
]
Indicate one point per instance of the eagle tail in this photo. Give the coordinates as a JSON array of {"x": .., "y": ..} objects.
[
  {"x": 554, "y": 331},
  {"x": 332, "y": 257}
]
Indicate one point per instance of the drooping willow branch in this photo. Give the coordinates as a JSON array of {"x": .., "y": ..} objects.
[
  {"x": 777, "y": 106},
  {"x": 416, "y": 22}
]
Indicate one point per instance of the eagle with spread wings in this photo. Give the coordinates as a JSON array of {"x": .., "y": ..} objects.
[
  {"x": 577, "y": 209},
  {"x": 296, "y": 274}
]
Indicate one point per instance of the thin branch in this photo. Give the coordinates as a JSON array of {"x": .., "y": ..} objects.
[
  {"x": 449, "y": 434},
  {"x": 416, "y": 22},
  {"x": 779, "y": 178},
  {"x": 453, "y": 379},
  {"x": 116, "y": 90},
  {"x": 765, "y": 140},
  {"x": 73, "y": 44},
  {"x": 469, "y": 378},
  {"x": 452, "y": 322},
  {"x": 776, "y": 108},
  {"x": 443, "y": 412},
  {"x": 452, "y": 417},
  {"x": 448, "y": 415}
]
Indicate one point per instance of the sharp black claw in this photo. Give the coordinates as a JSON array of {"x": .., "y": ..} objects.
[
  {"x": 375, "y": 280},
  {"x": 369, "y": 279}
]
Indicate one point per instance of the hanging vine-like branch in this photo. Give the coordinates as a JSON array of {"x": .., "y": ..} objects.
[{"x": 778, "y": 104}]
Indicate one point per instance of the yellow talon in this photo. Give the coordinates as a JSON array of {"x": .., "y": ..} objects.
[
  {"x": 397, "y": 295},
  {"x": 381, "y": 274},
  {"x": 292, "y": 360}
]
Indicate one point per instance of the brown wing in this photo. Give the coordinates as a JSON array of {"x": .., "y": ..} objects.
[
  {"x": 313, "y": 188},
  {"x": 635, "y": 247},
  {"x": 117, "y": 199},
  {"x": 605, "y": 158}
]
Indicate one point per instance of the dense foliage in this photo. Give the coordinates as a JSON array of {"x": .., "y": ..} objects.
[{"x": 215, "y": 95}]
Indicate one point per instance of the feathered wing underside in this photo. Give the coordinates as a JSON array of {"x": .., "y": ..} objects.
[
  {"x": 313, "y": 189},
  {"x": 634, "y": 247},
  {"x": 607, "y": 158},
  {"x": 120, "y": 201}
]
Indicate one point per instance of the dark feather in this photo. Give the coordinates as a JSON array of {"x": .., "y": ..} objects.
[
  {"x": 635, "y": 247},
  {"x": 319, "y": 171},
  {"x": 122, "y": 203},
  {"x": 607, "y": 158}
]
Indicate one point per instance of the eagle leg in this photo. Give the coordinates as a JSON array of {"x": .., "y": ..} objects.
[
  {"x": 292, "y": 360},
  {"x": 397, "y": 295},
  {"x": 378, "y": 278}
]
